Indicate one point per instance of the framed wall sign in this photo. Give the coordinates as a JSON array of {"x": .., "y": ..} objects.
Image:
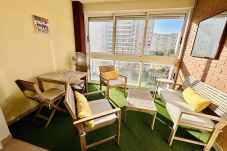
[
  {"x": 210, "y": 36},
  {"x": 41, "y": 24}
]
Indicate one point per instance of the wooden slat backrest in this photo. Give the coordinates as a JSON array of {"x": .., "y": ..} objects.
[
  {"x": 106, "y": 68},
  {"x": 218, "y": 98},
  {"x": 70, "y": 102},
  {"x": 26, "y": 85}
]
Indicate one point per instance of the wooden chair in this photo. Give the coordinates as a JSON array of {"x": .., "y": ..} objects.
[
  {"x": 111, "y": 83},
  {"x": 49, "y": 98},
  {"x": 80, "y": 84},
  {"x": 182, "y": 115},
  {"x": 103, "y": 115}
]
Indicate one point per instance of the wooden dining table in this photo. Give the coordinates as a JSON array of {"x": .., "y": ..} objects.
[{"x": 62, "y": 77}]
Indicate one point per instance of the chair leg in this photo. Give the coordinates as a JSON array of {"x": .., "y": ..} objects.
[
  {"x": 38, "y": 112},
  {"x": 82, "y": 135},
  {"x": 83, "y": 142},
  {"x": 52, "y": 114},
  {"x": 83, "y": 88},
  {"x": 172, "y": 134},
  {"x": 153, "y": 121},
  {"x": 50, "y": 118},
  {"x": 126, "y": 111},
  {"x": 211, "y": 140},
  {"x": 57, "y": 107},
  {"x": 118, "y": 127},
  {"x": 100, "y": 86},
  {"x": 108, "y": 92},
  {"x": 155, "y": 93},
  {"x": 125, "y": 90}
]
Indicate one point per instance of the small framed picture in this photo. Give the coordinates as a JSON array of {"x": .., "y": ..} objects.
[{"x": 41, "y": 24}]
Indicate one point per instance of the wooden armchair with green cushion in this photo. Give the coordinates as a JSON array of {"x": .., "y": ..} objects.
[
  {"x": 112, "y": 80},
  {"x": 96, "y": 114}
]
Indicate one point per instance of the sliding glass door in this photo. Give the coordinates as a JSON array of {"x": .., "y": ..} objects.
[{"x": 142, "y": 47}]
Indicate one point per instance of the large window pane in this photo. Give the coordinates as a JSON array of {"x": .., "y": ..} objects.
[
  {"x": 129, "y": 69},
  {"x": 100, "y": 35},
  {"x": 94, "y": 67},
  {"x": 163, "y": 36},
  {"x": 129, "y": 35},
  {"x": 152, "y": 71},
  {"x": 208, "y": 36}
]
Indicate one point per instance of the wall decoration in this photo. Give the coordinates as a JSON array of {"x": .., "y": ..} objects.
[
  {"x": 41, "y": 24},
  {"x": 210, "y": 36}
]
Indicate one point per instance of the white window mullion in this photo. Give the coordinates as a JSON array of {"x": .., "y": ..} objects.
[
  {"x": 140, "y": 73},
  {"x": 145, "y": 35},
  {"x": 142, "y": 50},
  {"x": 114, "y": 34}
]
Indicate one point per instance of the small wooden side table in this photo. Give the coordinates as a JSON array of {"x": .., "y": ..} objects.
[{"x": 141, "y": 101}]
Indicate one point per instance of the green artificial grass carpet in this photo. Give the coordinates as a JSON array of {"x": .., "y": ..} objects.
[{"x": 136, "y": 134}]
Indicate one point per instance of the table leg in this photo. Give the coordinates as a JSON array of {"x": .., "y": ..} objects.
[
  {"x": 86, "y": 84},
  {"x": 154, "y": 118},
  {"x": 40, "y": 83}
]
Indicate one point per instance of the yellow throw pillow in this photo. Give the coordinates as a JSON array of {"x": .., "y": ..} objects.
[
  {"x": 83, "y": 109},
  {"x": 111, "y": 75},
  {"x": 196, "y": 101}
]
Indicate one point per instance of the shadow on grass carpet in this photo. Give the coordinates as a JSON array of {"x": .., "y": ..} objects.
[{"x": 136, "y": 134}]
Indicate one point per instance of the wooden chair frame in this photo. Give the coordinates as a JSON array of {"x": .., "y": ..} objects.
[
  {"x": 105, "y": 82},
  {"x": 39, "y": 98},
  {"x": 83, "y": 130},
  {"x": 220, "y": 123}
]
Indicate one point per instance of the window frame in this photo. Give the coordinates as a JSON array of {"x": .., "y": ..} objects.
[
  {"x": 90, "y": 60},
  {"x": 128, "y": 17},
  {"x": 170, "y": 16},
  {"x": 142, "y": 58}
]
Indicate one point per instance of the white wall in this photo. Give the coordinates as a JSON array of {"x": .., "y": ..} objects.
[
  {"x": 4, "y": 131},
  {"x": 26, "y": 54}
]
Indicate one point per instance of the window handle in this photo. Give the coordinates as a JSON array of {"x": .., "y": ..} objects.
[{"x": 181, "y": 38}]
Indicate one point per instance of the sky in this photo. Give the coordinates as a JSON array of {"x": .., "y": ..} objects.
[{"x": 164, "y": 26}]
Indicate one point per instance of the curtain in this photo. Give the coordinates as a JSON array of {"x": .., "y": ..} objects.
[{"x": 79, "y": 29}]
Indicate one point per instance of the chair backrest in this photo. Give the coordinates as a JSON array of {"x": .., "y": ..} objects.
[
  {"x": 106, "y": 68},
  {"x": 30, "y": 90},
  {"x": 26, "y": 85},
  {"x": 218, "y": 98},
  {"x": 70, "y": 102}
]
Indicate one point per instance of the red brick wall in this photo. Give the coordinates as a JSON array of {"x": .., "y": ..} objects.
[{"x": 210, "y": 71}]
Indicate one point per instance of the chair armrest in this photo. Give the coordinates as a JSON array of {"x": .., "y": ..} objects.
[
  {"x": 94, "y": 92},
  {"x": 126, "y": 78},
  {"x": 105, "y": 79},
  {"x": 211, "y": 117},
  {"x": 167, "y": 81},
  {"x": 95, "y": 116}
]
